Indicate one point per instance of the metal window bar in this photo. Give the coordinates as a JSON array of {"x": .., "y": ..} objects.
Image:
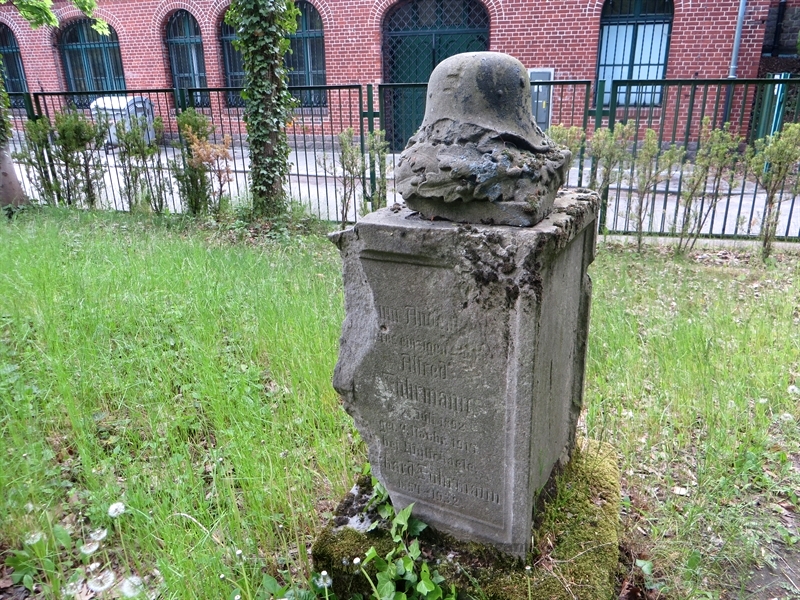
[
  {"x": 186, "y": 58},
  {"x": 92, "y": 62}
]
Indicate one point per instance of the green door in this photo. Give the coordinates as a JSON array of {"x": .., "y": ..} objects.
[{"x": 418, "y": 35}]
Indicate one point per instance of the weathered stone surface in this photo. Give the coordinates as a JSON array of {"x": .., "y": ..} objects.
[
  {"x": 479, "y": 157},
  {"x": 462, "y": 360}
]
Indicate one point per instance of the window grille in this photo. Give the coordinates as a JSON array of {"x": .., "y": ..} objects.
[
  {"x": 233, "y": 64},
  {"x": 417, "y": 36},
  {"x": 634, "y": 44},
  {"x": 13, "y": 73},
  {"x": 92, "y": 62},
  {"x": 306, "y": 61},
  {"x": 185, "y": 44}
]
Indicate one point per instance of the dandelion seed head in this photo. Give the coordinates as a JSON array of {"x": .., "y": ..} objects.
[
  {"x": 528, "y": 568},
  {"x": 93, "y": 567},
  {"x": 238, "y": 552},
  {"x": 29, "y": 507},
  {"x": 786, "y": 417},
  {"x": 90, "y": 548},
  {"x": 222, "y": 575},
  {"x": 356, "y": 561},
  {"x": 324, "y": 580},
  {"x": 131, "y": 587},
  {"x": 103, "y": 581},
  {"x": 116, "y": 510},
  {"x": 793, "y": 390},
  {"x": 71, "y": 588},
  {"x": 98, "y": 535},
  {"x": 34, "y": 538}
]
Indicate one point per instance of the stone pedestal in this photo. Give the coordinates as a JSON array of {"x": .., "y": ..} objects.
[{"x": 462, "y": 360}]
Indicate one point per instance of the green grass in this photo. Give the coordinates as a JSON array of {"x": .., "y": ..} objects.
[
  {"x": 154, "y": 363},
  {"x": 690, "y": 365},
  {"x": 189, "y": 381}
]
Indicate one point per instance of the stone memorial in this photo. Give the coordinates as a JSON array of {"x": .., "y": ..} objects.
[{"x": 467, "y": 311}]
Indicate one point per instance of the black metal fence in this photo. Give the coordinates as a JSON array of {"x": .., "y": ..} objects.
[{"x": 675, "y": 110}]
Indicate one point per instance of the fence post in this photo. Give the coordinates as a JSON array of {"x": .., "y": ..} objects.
[
  {"x": 180, "y": 99},
  {"x": 370, "y": 115},
  {"x": 598, "y": 104},
  {"x": 28, "y": 102},
  {"x": 582, "y": 153}
]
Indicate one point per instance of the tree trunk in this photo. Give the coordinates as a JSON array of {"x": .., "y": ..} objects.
[{"x": 11, "y": 193}]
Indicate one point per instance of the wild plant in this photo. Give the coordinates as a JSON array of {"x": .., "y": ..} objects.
[
  {"x": 610, "y": 152},
  {"x": 62, "y": 158},
  {"x": 143, "y": 171},
  {"x": 349, "y": 171},
  {"x": 193, "y": 185},
  {"x": 55, "y": 565},
  {"x": 773, "y": 162},
  {"x": 715, "y": 162},
  {"x": 36, "y": 158},
  {"x": 213, "y": 160},
  {"x": 401, "y": 573},
  {"x": 378, "y": 148},
  {"x": 76, "y": 156},
  {"x": 572, "y": 138},
  {"x": 652, "y": 167}
]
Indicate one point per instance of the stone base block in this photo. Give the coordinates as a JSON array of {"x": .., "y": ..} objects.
[
  {"x": 575, "y": 552},
  {"x": 462, "y": 360}
]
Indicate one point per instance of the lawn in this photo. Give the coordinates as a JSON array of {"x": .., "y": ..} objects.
[{"x": 160, "y": 365}]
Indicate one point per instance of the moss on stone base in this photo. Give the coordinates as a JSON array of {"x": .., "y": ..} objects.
[{"x": 576, "y": 544}]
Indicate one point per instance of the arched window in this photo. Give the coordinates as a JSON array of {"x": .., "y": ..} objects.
[
  {"x": 92, "y": 62},
  {"x": 634, "y": 43},
  {"x": 232, "y": 63},
  {"x": 13, "y": 73},
  {"x": 306, "y": 61},
  {"x": 185, "y": 44},
  {"x": 417, "y": 36}
]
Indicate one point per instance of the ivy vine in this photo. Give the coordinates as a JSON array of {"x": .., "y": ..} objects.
[{"x": 262, "y": 27}]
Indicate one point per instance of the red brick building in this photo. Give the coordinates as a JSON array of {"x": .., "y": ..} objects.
[
  {"x": 561, "y": 34},
  {"x": 185, "y": 43}
]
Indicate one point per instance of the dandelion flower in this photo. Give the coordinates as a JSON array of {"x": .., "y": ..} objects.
[
  {"x": 131, "y": 587},
  {"x": 116, "y": 510},
  {"x": 103, "y": 581},
  {"x": 90, "y": 548},
  {"x": 98, "y": 535},
  {"x": 34, "y": 538}
]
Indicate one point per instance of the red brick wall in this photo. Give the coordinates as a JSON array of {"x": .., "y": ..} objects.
[{"x": 562, "y": 34}]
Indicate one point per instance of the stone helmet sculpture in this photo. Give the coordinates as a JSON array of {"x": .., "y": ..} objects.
[
  {"x": 478, "y": 155},
  {"x": 489, "y": 90}
]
